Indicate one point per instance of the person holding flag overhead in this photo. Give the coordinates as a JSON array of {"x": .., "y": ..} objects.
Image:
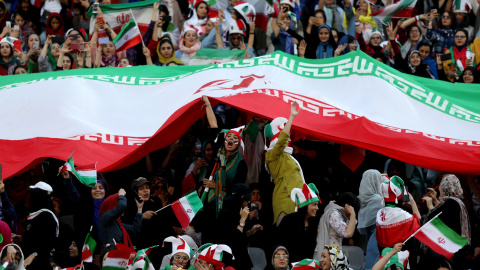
[
  {"x": 284, "y": 169},
  {"x": 393, "y": 257},
  {"x": 181, "y": 254},
  {"x": 298, "y": 231}
]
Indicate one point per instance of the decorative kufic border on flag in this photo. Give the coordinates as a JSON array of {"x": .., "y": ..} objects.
[
  {"x": 111, "y": 139},
  {"x": 320, "y": 108},
  {"x": 356, "y": 65}
]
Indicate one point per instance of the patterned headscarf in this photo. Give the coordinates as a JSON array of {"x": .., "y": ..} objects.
[
  {"x": 412, "y": 68},
  {"x": 451, "y": 189},
  {"x": 337, "y": 258}
]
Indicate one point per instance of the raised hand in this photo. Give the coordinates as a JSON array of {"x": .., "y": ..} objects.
[{"x": 293, "y": 109}]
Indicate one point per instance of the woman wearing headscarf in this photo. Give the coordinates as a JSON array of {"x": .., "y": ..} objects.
[
  {"x": 198, "y": 15},
  {"x": 462, "y": 54},
  {"x": 469, "y": 75},
  {"x": 311, "y": 33},
  {"x": 8, "y": 60},
  {"x": 362, "y": 14},
  {"x": 453, "y": 213},
  {"x": 284, "y": 37},
  {"x": 326, "y": 47},
  {"x": 372, "y": 46},
  {"x": 189, "y": 43},
  {"x": 298, "y": 231},
  {"x": 110, "y": 228},
  {"x": 48, "y": 58},
  {"x": 345, "y": 45},
  {"x": 86, "y": 207},
  {"x": 200, "y": 169},
  {"x": 6, "y": 234},
  {"x": 338, "y": 221},
  {"x": 412, "y": 64},
  {"x": 41, "y": 227},
  {"x": 280, "y": 259},
  {"x": 333, "y": 258},
  {"x": 284, "y": 169},
  {"x": 165, "y": 51},
  {"x": 371, "y": 202},
  {"x": 53, "y": 27}
]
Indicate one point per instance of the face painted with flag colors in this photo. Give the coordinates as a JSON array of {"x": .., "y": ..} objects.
[{"x": 231, "y": 142}]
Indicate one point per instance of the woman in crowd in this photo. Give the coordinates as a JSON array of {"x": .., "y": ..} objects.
[
  {"x": 110, "y": 228},
  {"x": 30, "y": 59},
  {"x": 8, "y": 61},
  {"x": 338, "y": 221},
  {"x": 162, "y": 26},
  {"x": 181, "y": 254},
  {"x": 362, "y": 12},
  {"x": 327, "y": 46},
  {"x": 165, "y": 50},
  {"x": 371, "y": 202},
  {"x": 412, "y": 64},
  {"x": 41, "y": 227},
  {"x": 284, "y": 36},
  {"x": 346, "y": 44},
  {"x": 236, "y": 38},
  {"x": 86, "y": 207},
  {"x": 298, "y": 231},
  {"x": 444, "y": 36},
  {"x": 280, "y": 259},
  {"x": 20, "y": 19},
  {"x": 462, "y": 54},
  {"x": 469, "y": 75},
  {"x": 414, "y": 36},
  {"x": 311, "y": 33},
  {"x": 65, "y": 59},
  {"x": 453, "y": 213},
  {"x": 48, "y": 58},
  {"x": 53, "y": 27},
  {"x": 425, "y": 48},
  {"x": 333, "y": 258},
  {"x": 199, "y": 16},
  {"x": 189, "y": 43},
  {"x": 388, "y": 261}
]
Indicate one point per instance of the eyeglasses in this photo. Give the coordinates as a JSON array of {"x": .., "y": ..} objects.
[
  {"x": 445, "y": 17},
  {"x": 178, "y": 257},
  {"x": 281, "y": 256},
  {"x": 460, "y": 36}
]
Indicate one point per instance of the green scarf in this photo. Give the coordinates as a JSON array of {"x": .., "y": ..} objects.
[{"x": 51, "y": 59}]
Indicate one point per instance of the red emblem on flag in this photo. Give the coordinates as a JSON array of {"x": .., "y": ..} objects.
[
  {"x": 189, "y": 211},
  {"x": 125, "y": 37},
  {"x": 123, "y": 18},
  {"x": 441, "y": 240},
  {"x": 382, "y": 215}
]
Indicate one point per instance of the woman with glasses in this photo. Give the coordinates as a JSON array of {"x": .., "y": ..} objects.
[
  {"x": 412, "y": 64},
  {"x": 280, "y": 259},
  {"x": 181, "y": 254},
  {"x": 462, "y": 55},
  {"x": 48, "y": 58},
  {"x": 443, "y": 37}
]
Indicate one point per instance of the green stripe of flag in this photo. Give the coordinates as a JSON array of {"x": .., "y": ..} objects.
[
  {"x": 449, "y": 233},
  {"x": 107, "y": 8},
  {"x": 129, "y": 26},
  {"x": 402, "y": 5},
  {"x": 194, "y": 201}
]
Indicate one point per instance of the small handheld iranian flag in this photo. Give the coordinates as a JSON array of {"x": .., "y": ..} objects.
[
  {"x": 117, "y": 259},
  {"x": 306, "y": 264},
  {"x": 142, "y": 255},
  {"x": 76, "y": 267},
  {"x": 128, "y": 37},
  {"x": 186, "y": 208},
  {"x": 85, "y": 174},
  {"x": 4, "y": 266},
  {"x": 88, "y": 248},
  {"x": 400, "y": 9},
  {"x": 440, "y": 238}
]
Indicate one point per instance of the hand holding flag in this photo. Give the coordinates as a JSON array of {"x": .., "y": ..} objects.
[{"x": 87, "y": 175}]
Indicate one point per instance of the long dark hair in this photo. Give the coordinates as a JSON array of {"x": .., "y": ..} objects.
[{"x": 452, "y": 18}]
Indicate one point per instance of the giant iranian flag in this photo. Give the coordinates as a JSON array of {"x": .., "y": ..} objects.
[
  {"x": 399, "y": 9},
  {"x": 119, "y": 15},
  {"x": 116, "y": 116}
]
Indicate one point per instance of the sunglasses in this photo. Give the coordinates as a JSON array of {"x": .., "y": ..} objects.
[
  {"x": 281, "y": 256},
  {"x": 178, "y": 257},
  {"x": 445, "y": 17},
  {"x": 236, "y": 38}
]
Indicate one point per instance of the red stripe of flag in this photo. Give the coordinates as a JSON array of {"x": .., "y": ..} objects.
[
  {"x": 427, "y": 241},
  {"x": 181, "y": 214}
]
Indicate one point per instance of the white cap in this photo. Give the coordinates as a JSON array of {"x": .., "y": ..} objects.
[{"x": 43, "y": 186}]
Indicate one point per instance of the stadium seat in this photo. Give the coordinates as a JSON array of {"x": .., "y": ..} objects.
[
  {"x": 355, "y": 256},
  {"x": 257, "y": 255}
]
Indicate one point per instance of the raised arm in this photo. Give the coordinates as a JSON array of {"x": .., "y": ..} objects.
[
  {"x": 212, "y": 120},
  {"x": 65, "y": 49},
  {"x": 384, "y": 260},
  {"x": 44, "y": 51},
  {"x": 218, "y": 36},
  {"x": 293, "y": 114},
  {"x": 251, "y": 35}
]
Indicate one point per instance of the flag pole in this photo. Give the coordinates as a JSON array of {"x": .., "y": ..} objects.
[
  {"x": 133, "y": 17},
  {"x": 421, "y": 228},
  {"x": 162, "y": 208}
]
